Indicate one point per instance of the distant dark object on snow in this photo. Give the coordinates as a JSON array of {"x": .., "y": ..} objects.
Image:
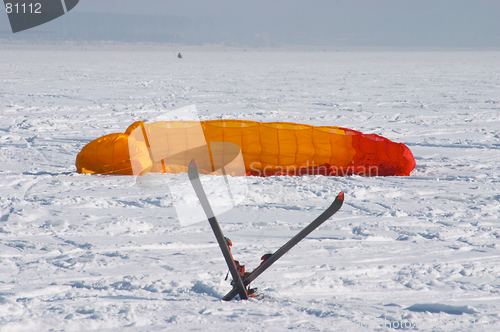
[{"x": 179, "y": 56}]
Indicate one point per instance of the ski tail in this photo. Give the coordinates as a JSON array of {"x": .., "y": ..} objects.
[
  {"x": 194, "y": 178},
  {"x": 270, "y": 259}
]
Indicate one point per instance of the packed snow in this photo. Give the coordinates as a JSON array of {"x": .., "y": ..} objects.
[{"x": 101, "y": 253}]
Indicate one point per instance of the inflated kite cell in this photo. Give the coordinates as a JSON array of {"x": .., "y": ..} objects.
[{"x": 274, "y": 148}]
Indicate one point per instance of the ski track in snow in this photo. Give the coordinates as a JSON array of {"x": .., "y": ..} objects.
[{"x": 80, "y": 252}]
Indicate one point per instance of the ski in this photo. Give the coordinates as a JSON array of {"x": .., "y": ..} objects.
[
  {"x": 270, "y": 259},
  {"x": 238, "y": 286}
]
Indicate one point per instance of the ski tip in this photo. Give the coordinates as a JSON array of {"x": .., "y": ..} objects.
[
  {"x": 340, "y": 195},
  {"x": 192, "y": 164}
]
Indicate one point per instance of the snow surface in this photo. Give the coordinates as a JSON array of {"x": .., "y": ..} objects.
[{"x": 100, "y": 253}]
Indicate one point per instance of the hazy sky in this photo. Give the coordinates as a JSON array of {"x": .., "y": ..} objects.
[{"x": 441, "y": 23}]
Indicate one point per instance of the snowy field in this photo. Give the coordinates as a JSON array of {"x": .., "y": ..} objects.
[{"x": 99, "y": 253}]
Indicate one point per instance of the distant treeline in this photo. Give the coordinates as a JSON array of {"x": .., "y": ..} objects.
[
  {"x": 394, "y": 28},
  {"x": 109, "y": 27}
]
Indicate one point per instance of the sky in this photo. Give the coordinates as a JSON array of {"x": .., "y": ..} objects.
[{"x": 275, "y": 23}]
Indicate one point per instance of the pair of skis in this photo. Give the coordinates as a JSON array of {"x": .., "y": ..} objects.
[{"x": 240, "y": 282}]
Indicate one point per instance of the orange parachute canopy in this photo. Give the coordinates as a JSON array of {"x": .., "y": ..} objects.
[{"x": 275, "y": 148}]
